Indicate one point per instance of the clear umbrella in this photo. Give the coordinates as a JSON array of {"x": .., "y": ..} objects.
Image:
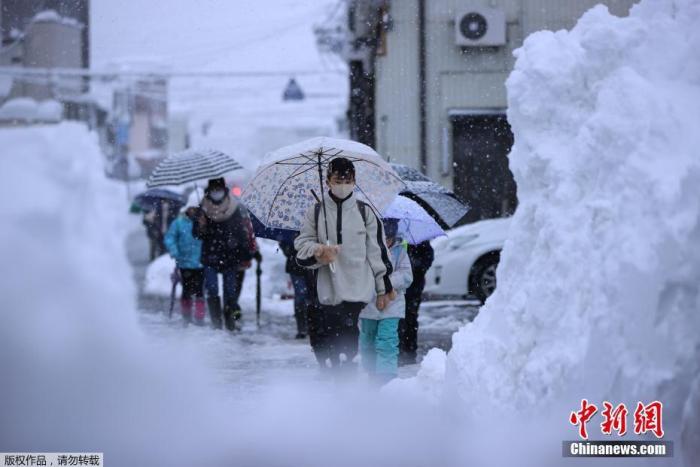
[{"x": 291, "y": 180}]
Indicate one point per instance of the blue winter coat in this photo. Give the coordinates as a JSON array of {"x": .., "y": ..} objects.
[{"x": 182, "y": 245}]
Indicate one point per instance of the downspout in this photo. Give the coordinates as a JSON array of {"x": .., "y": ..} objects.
[{"x": 422, "y": 87}]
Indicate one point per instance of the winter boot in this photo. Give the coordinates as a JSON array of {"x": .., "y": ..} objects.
[
  {"x": 200, "y": 310},
  {"x": 214, "y": 304},
  {"x": 231, "y": 315},
  {"x": 407, "y": 358},
  {"x": 186, "y": 308},
  {"x": 300, "y": 317},
  {"x": 237, "y": 312}
]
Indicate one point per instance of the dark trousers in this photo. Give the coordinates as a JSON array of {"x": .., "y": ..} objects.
[
  {"x": 211, "y": 284},
  {"x": 341, "y": 332},
  {"x": 156, "y": 247},
  {"x": 192, "y": 283},
  {"x": 302, "y": 302},
  {"x": 240, "y": 276},
  {"x": 408, "y": 327}
]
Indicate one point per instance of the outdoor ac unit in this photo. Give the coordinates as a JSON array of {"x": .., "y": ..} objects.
[{"x": 480, "y": 27}]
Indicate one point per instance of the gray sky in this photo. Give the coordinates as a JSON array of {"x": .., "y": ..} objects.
[{"x": 208, "y": 34}]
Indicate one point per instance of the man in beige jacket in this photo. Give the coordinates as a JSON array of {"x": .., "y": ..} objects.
[{"x": 352, "y": 261}]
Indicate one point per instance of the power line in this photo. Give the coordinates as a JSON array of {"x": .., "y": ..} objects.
[{"x": 112, "y": 75}]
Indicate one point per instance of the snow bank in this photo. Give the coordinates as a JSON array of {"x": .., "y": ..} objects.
[
  {"x": 77, "y": 371},
  {"x": 157, "y": 281},
  {"x": 598, "y": 292}
]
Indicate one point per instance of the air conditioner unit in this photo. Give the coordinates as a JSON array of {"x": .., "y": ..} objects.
[{"x": 480, "y": 27}]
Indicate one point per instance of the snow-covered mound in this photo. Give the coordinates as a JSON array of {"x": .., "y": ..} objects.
[
  {"x": 158, "y": 281},
  {"x": 598, "y": 286},
  {"x": 77, "y": 371}
]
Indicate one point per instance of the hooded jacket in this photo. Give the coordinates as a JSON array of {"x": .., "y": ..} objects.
[
  {"x": 401, "y": 279},
  {"x": 182, "y": 245},
  {"x": 362, "y": 268}
]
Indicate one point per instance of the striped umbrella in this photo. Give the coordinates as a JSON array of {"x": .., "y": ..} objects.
[{"x": 190, "y": 166}]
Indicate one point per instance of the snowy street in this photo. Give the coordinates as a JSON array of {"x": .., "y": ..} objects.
[{"x": 252, "y": 358}]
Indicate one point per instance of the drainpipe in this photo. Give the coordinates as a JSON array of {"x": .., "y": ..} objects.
[{"x": 422, "y": 87}]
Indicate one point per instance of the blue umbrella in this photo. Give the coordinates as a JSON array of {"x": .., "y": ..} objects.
[
  {"x": 150, "y": 198},
  {"x": 415, "y": 224}
]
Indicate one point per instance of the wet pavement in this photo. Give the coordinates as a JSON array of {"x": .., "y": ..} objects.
[{"x": 258, "y": 355}]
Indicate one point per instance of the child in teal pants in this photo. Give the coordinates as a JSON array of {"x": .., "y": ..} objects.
[{"x": 379, "y": 336}]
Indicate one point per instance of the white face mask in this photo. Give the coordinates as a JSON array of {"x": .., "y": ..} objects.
[
  {"x": 343, "y": 190},
  {"x": 217, "y": 195}
]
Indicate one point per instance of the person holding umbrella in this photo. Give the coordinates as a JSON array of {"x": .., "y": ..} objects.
[
  {"x": 419, "y": 227},
  {"x": 187, "y": 251},
  {"x": 343, "y": 238},
  {"x": 338, "y": 231},
  {"x": 221, "y": 226}
]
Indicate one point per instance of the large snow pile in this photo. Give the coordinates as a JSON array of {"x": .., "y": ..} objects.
[
  {"x": 598, "y": 293},
  {"x": 77, "y": 371}
]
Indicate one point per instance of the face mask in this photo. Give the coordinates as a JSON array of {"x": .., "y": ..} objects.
[
  {"x": 342, "y": 191},
  {"x": 217, "y": 195}
]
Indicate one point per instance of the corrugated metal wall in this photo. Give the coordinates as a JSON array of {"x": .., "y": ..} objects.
[
  {"x": 456, "y": 78},
  {"x": 396, "y": 92}
]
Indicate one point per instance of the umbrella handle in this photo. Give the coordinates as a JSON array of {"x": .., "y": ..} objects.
[{"x": 331, "y": 265}]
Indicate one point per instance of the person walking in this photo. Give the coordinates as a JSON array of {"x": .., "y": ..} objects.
[
  {"x": 225, "y": 248},
  {"x": 187, "y": 252},
  {"x": 421, "y": 256},
  {"x": 351, "y": 257},
  {"x": 379, "y": 336}
]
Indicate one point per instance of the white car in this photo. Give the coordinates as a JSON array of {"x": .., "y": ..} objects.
[{"x": 466, "y": 260}]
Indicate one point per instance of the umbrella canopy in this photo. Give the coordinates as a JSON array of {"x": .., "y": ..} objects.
[
  {"x": 150, "y": 198},
  {"x": 415, "y": 224},
  {"x": 278, "y": 235},
  {"x": 280, "y": 193},
  {"x": 438, "y": 201},
  {"x": 191, "y": 166}
]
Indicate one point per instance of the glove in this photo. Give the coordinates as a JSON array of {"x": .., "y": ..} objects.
[{"x": 257, "y": 256}]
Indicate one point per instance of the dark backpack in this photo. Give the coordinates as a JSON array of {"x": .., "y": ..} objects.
[{"x": 362, "y": 206}]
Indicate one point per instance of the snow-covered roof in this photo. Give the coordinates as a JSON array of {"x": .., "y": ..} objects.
[
  {"x": 25, "y": 109},
  {"x": 52, "y": 16}
]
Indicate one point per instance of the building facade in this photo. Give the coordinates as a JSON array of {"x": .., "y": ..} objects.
[
  {"x": 428, "y": 79},
  {"x": 39, "y": 37},
  {"x": 16, "y": 15}
]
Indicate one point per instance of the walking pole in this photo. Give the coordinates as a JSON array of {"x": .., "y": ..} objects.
[
  {"x": 174, "y": 278},
  {"x": 258, "y": 273}
]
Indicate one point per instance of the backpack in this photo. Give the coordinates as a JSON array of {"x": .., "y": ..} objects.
[{"x": 362, "y": 206}]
